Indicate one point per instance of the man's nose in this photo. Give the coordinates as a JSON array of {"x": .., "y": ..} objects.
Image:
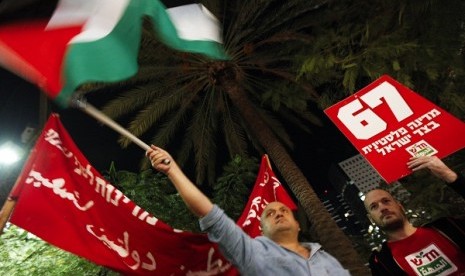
[
  {"x": 279, "y": 214},
  {"x": 383, "y": 207}
]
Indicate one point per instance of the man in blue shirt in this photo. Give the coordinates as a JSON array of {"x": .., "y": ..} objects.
[{"x": 277, "y": 252}]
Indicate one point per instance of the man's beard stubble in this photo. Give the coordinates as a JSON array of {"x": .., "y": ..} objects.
[{"x": 393, "y": 225}]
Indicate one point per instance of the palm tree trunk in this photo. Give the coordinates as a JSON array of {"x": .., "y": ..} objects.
[{"x": 328, "y": 233}]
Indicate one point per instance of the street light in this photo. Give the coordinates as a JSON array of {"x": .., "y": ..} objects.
[{"x": 10, "y": 153}]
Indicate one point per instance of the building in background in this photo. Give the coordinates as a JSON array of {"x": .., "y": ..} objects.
[
  {"x": 362, "y": 174},
  {"x": 351, "y": 179}
]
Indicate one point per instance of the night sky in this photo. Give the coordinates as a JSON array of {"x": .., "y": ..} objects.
[{"x": 19, "y": 108}]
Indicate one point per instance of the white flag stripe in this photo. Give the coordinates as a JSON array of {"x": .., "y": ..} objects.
[
  {"x": 195, "y": 22},
  {"x": 99, "y": 17},
  {"x": 71, "y": 13}
]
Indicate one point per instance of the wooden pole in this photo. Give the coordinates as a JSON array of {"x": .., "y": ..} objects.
[
  {"x": 100, "y": 116},
  {"x": 6, "y": 211}
]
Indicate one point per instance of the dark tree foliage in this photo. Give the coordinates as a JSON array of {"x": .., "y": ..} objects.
[{"x": 419, "y": 43}]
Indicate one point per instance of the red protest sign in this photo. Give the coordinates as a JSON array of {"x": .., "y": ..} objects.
[{"x": 388, "y": 123}]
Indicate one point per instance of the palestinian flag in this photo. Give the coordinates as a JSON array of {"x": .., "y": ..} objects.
[{"x": 71, "y": 42}]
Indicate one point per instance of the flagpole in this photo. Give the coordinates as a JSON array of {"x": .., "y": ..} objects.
[
  {"x": 6, "y": 211},
  {"x": 100, "y": 116}
]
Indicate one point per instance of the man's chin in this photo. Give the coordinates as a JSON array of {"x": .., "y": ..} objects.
[
  {"x": 282, "y": 226},
  {"x": 392, "y": 224}
]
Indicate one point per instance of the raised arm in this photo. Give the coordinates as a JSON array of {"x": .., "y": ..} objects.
[
  {"x": 435, "y": 165},
  {"x": 196, "y": 201}
]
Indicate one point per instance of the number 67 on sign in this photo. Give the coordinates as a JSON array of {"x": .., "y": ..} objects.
[{"x": 388, "y": 124}]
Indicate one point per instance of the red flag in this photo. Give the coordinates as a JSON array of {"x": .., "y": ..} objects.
[
  {"x": 267, "y": 189},
  {"x": 62, "y": 199}
]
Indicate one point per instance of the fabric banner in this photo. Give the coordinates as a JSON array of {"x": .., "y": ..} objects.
[
  {"x": 63, "y": 200},
  {"x": 389, "y": 123},
  {"x": 98, "y": 40},
  {"x": 267, "y": 189}
]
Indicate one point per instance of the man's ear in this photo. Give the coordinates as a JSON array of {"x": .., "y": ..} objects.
[
  {"x": 370, "y": 218},
  {"x": 402, "y": 208}
]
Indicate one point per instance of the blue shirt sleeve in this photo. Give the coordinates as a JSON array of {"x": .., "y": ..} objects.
[{"x": 233, "y": 242}]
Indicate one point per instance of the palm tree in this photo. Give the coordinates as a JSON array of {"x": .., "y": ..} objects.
[{"x": 189, "y": 103}]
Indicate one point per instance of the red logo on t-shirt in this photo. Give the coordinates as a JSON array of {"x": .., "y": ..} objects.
[{"x": 428, "y": 253}]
